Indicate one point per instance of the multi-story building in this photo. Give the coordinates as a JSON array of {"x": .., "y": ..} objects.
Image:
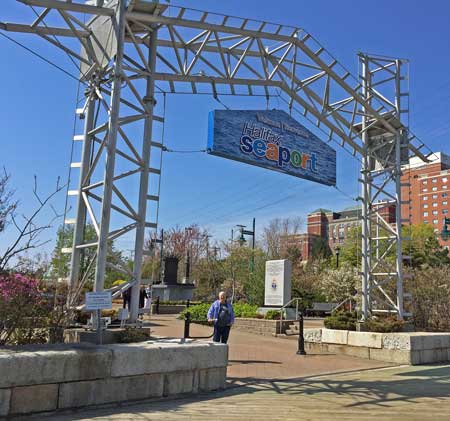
[
  {"x": 331, "y": 227},
  {"x": 425, "y": 192}
]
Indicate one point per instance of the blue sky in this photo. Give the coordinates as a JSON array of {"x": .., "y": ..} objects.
[{"x": 38, "y": 101}]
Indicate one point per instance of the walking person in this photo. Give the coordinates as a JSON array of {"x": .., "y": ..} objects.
[{"x": 221, "y": 314}]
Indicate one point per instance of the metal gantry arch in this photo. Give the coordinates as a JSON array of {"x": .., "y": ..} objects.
[{"x": 133, "y": 50}]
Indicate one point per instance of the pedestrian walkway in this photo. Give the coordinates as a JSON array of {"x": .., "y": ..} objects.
[
  {"x": 266, "y": 357},
  {"x": 399, "y": 393},
  {"x": 267, "y": 380}
]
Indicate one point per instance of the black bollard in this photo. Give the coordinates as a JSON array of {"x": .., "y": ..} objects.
[
  {"x": 157, "y": 305},
  {"x": 188, "y": 303},
  {"x": 301, "y": 338},
  {"x": 187, "y": 325}
]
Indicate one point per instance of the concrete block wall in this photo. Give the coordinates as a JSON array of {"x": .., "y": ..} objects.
[
  {"x": 48, "y": 378},
  {"x": 400, "y": 348},
  {"x": 261, "y": 326}
]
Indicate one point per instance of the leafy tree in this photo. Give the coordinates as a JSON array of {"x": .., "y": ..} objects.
[
  {"x": 60, "y": 262},
  {"x": 423, "y": 246}
]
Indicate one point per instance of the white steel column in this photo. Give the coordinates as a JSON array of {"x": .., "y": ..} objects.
[
  {"x": 113, "y": 123},
  {"x": 149, "y": 102},
  {"x": 365, "y": 180},
  {"x": 80, "y": 220}
]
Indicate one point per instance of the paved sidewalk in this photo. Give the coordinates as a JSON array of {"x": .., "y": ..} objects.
[{"x": 266, "y": 357}]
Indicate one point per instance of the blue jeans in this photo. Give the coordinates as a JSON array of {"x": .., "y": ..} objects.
[{"x": 221, "y": 333}]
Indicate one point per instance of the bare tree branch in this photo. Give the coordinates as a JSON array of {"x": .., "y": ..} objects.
[{"x": 28, "y": 234}]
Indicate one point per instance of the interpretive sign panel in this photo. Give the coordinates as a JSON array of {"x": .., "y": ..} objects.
[
  {"x": 271, "y": 139},
  {"x": 98, "y": 300},
  {"x": 277, "y": 290}
]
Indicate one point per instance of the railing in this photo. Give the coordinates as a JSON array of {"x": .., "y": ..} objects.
[
  {"x": 296, "y": 300},
  {"x": 348, "y": 299}
]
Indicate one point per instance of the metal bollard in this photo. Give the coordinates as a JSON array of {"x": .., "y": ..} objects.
[
  {"x": 187, "y": 325},
  {"x": 188, "y": 303},
  {"x": 301, "y": 338},
  {"x": 157, "y": 305}
]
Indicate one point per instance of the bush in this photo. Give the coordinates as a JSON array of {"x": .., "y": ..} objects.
[
  {"x": 197, "y": 312},
  {"x": 200, "y": 311},
  {"x": 272, "y": 315},
  {"x": 130, "y": 335},
  {"x": 24, "y": 311},
  {"x": 383, "y": 325},
  {"x": 341, "y": 321},
  {"x": 245, "y": 310}
]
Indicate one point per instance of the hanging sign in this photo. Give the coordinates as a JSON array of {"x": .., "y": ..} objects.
[{"x": 271, "y": 139}]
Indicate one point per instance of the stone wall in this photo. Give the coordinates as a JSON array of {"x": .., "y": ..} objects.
[
  {"x": 261, "y": 326},
  {"x": 50, "y": 378},
  {"x": 400, "y": 348}
]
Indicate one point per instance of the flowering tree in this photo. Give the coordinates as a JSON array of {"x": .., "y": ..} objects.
[
  {"x": 23, "y": 311},
  {"x": 339, "y": 284}
]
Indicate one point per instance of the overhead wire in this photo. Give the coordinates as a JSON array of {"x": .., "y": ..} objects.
[{"x": 46, "y": 60}]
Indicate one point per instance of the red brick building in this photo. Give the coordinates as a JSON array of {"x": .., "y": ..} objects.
[
  {"x": 332, "y": 227},
  {"x": 425, "y": 191}
]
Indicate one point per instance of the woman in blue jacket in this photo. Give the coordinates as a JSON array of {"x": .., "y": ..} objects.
[{"x": 221, "y": 314}]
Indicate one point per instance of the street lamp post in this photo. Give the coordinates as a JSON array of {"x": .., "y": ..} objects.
[
  {"x": 242, "y": 239},
  {"x": 337, "y": 251},
  {"x": 187, "y": 263}
]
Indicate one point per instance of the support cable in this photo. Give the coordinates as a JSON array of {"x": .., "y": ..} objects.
[{"x": 41, "y": 57}]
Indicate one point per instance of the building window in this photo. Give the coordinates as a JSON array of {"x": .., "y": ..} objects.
[
  {"x": 425, "y": 206},
  {"x": 435, "y": 221},
  {"x": 444, "y": 194},
  {"x": 435, "y": 212},
  {"x": 425, "y": 214},
  {"x": 444, "y": 179},
  {"x": 434, "y": 180},
  {"x": 424, "y": 197},
  {"x": 424, "y": 182},
  {"x": 444, "y": 202},
  {"x": 435, "y": 205},
  {"x": 424, "y": 190},
  {"x": 434, "y": 188},
  {"x": 425, "y": 222},
  {"x": 444, "y": 187},
  {"x": 436, "y": 230},
  {"x": 435, "y": 196},
  {"x": 444, "y": 211}
]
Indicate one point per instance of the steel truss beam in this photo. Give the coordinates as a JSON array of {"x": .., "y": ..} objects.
[{"x": 126, "y": 50}]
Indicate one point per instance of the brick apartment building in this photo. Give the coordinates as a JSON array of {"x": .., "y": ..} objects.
[
  {"x": 426, "y": 191},
  {"x": 333, "y": 227}
]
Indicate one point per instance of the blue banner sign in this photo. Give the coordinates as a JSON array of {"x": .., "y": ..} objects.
[{"x": 271, "y": 139}]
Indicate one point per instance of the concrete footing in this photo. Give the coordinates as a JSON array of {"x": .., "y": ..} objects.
[{"x": 50, "y": 378}]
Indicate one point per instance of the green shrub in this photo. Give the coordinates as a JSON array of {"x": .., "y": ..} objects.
[
  {"x": 272, "y": 315},
  {"x": 197, "y": 312},
  {"x": 245, "y": 310},
  {"x": 200, "y": 311},
  {"x": 341, "y": 321},
  {"x": 383, "y": 325},
  {"x": 130, "y": 335}
]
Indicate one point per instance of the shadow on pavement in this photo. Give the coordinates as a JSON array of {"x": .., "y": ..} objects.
[{"x": 364, "y": 390}]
